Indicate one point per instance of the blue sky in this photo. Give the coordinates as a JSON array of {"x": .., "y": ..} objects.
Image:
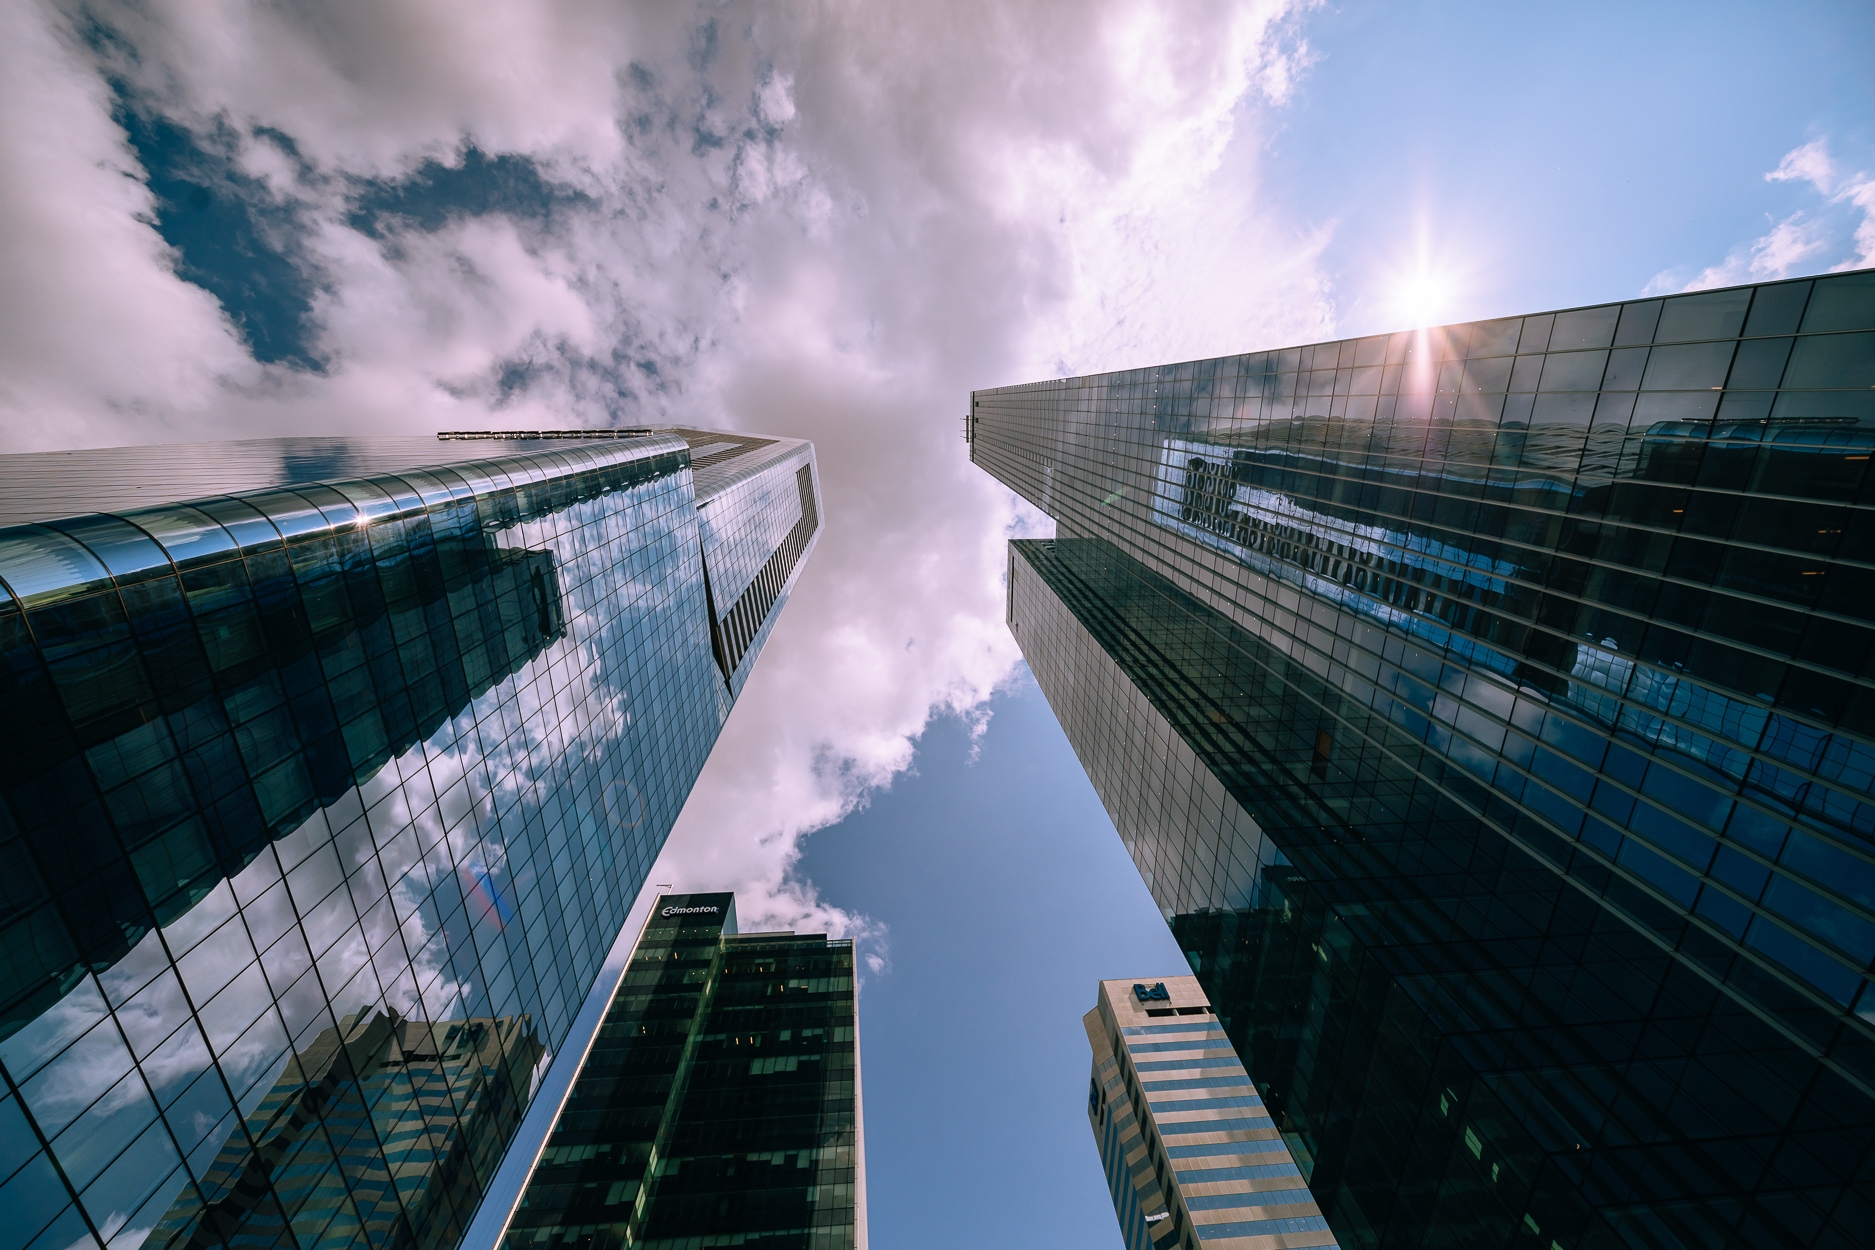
[
  {"x": 1558, "y": 155},
  {"x": 237, "y": 220}
]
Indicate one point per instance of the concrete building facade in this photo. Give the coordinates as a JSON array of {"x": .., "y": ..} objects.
[{"x": 1190, "y": 1152}]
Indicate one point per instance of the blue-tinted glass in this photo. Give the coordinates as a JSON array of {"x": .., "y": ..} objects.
[
  {"x": 1759, "y": 364},
  {"x": 280, "y": 802},
  {"x": 290, "y": 513},
  {"x": 1676, "y": 609},
  {"x": 188, "y": 536},
  {"x": 125, "y": 550},
  {"x": 32, "y": 1198},
  {"x": 42, "y": 566},
  {"x": 340, "y": 513},
  {"x": 1574, "y": 371},
  {"x": 1494, "y": 338},
  {"x": 249, "y": 526},
  {"x": 371, "y": 500}
]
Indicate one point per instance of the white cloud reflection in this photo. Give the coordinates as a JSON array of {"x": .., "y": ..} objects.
[{"x": 829, "y": 221}]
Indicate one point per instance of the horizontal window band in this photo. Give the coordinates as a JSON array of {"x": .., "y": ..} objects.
[
  {"x": 1191, "y": 1128},
  {"x": 1261, "y": 1146},
  {"x": 1264, "y": 1198},
  {"x": 1211, "y": 1082}
]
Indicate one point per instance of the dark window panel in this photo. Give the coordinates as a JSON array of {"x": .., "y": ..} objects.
[
  {"x": 1839, "y": 408},
  {"x": 1710, "y": 315},
  {"x": 1759, "y": 364},
  {"x": 1637, "y": 322},
  {"x": 1841, "y": 302},
  {"x": 1574, "y": 371},
  {"x": 1833, "y": 361},
  {"x": 1625, "y": 366},
  {"x": 1688, "y": 367},
  {"x": 1585, "y": 327}
]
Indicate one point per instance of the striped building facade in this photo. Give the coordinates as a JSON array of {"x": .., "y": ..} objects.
[{"x": 1191, "y": 1155}]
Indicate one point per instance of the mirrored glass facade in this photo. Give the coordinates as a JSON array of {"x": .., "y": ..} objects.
[
  {"x": 1489, "y": 710},
  {"x": 326, "y": 793},
  {"x": 719, "y": 1104}
]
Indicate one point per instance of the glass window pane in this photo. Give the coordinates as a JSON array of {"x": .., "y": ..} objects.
[
  {"x": 189, "y": 536},
  {"x": 1585, "y": 327},
  {"x": 43, "y": 566},
  {"x": 292, "y": 515},
  {"x": 1846, "y": 302},
  {"x": 1837, "y": 361},
  {"x": 1637, "y": 323},
  {"x": 1536, "y": 333},
  {"x": 30, "y": 1199},
  {"x": 1759, "y": 364},
  {"x": 125, "y": 550},
  {"x": 1574, "y": 371},
  {"x": 1710, "y": 315},
  {"x": 249, "y": 527},
  {"x": 1495, "y": 338},
  {"x": 1624, "y": 369},
  {"x": 1688, "y": 367},
  {"x": 1777, "y": 309}
]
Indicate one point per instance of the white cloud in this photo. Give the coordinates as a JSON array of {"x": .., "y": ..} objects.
[
  {"x": 97, "y": 336},
  {"x": 1772, "y": 255},
  {"x": 1809, "y": 163},
  {"x": 1861, "y": 193},
  {"x": 831, "y": 221},
  {"x": 1802, "y": 236}
]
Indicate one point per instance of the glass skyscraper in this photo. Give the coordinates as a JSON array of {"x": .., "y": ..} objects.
[
  {"x": 1489, "y": 710},
  {"x": 719, "y": 1104},
  {"x": 326, "y": 793}
]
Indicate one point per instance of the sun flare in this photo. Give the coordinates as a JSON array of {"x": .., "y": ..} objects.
[{"x": 1423, "y": 299}]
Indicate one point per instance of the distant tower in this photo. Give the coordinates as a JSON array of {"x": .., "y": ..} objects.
[
  {"x": 720, "y": 1103},
  {"x": 1191, "y": 1155}
]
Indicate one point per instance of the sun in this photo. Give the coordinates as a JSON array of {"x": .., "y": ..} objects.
[{"x": 1423, "y": 298}]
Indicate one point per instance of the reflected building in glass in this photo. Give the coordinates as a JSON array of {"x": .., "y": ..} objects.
[
  {"x": 377, "y": 1134},
  {"x": 719, "y": 1104},
  {"x": 1489, "y": 710},
  {"x": 326, "y": 793}
]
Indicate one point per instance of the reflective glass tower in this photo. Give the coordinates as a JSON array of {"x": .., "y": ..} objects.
[
  {"x": 719, "y": 1104},
  {"x": 1488, "y": 708},
  {"x": 327, "y": 791}
]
